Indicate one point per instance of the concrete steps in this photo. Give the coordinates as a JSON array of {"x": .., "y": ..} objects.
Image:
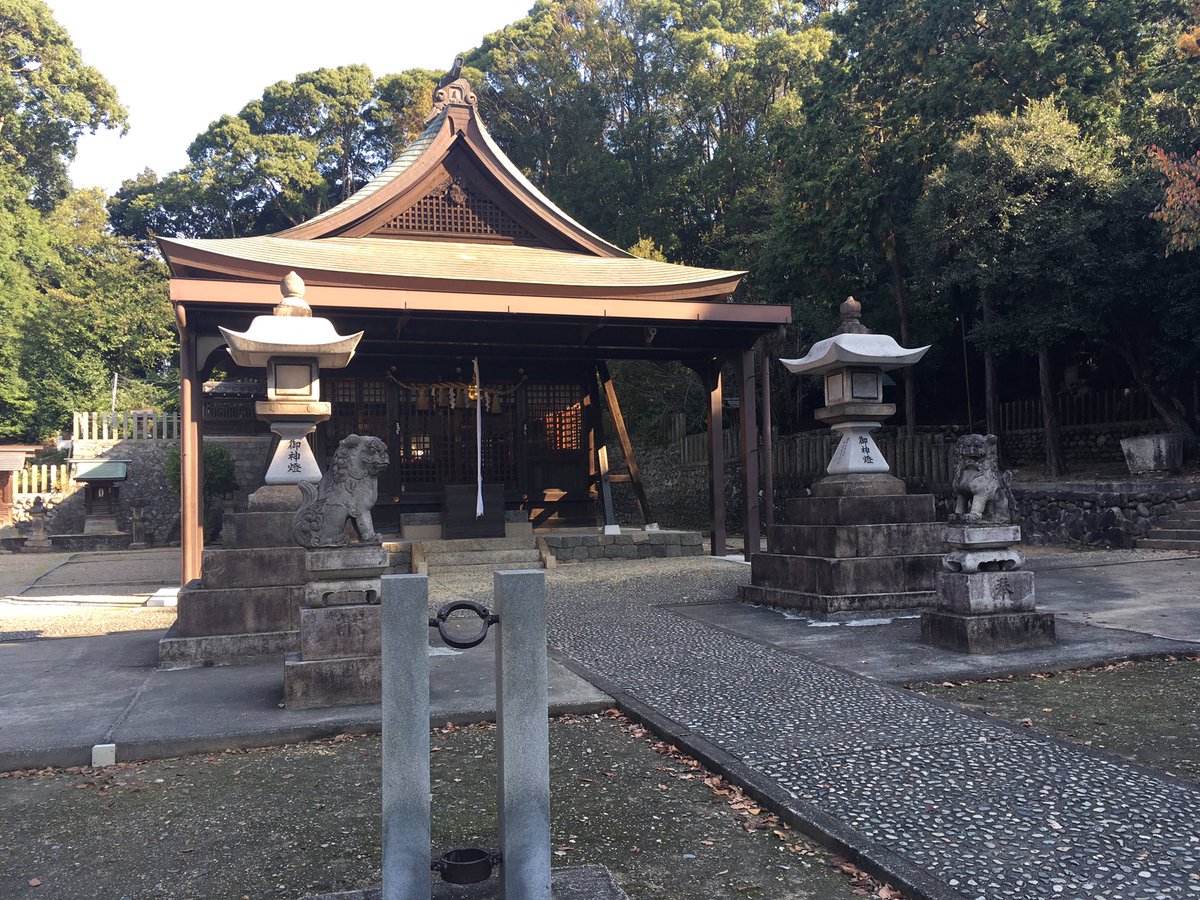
[
  {"x": 1178, "y": 531},
  {"x": 477, "y": 554}
]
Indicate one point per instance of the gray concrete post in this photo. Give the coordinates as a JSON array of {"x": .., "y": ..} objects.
[
  {"x": 405, "y": 664},
  {"x": 523, "y": 735}
]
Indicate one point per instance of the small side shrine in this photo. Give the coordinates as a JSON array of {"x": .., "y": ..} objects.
[
  {"x": 488, "y": 317},
  {"x": 101, "y": 479}
]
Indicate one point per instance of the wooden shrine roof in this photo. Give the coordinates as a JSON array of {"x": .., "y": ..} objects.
[
  {"x": 340, "y": 260},
  {"x": 453, "y": 225}
]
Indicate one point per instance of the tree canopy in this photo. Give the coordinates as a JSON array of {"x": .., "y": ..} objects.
[{"x": 1027, "y": 168}]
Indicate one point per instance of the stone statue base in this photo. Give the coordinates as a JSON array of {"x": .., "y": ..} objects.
[
  {"x": 985, "y": 602},
  {"x": 847, "y": 553},
  {"x": 338, "y": 663}
]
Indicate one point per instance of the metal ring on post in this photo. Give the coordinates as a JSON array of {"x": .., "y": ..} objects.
[{"x": 443, "y": 615}]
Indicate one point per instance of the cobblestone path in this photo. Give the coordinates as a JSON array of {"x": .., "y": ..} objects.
[{"x": 985, "y": 811}]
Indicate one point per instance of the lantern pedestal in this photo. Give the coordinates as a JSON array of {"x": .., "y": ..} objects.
[{"x": 859, "y": 544}]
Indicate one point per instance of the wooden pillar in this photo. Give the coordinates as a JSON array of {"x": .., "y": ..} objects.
[
  {"x": 598, "y": 454},
  {"x": 748, "y": 412},
  {"x": 191, "y": 463},
  {"x": 716, "y": 458},
  {"x": 768, "y": 450}
]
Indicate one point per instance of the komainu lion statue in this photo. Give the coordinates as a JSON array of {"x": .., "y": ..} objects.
[
  {"x": 347, "y": 492},
  {"x": 982, "y": 493}
]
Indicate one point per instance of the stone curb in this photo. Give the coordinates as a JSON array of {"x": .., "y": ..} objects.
[
  {"x": 868, "y": 855},
  {"x": 138, "y": 750}
]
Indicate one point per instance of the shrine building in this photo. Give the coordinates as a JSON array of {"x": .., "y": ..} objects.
[{"x": 449, "y": 256}]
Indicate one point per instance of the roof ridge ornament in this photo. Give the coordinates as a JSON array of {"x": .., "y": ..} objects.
[
  {"x": 293, "y": 302},
  {"x": 452, "y": 90}
]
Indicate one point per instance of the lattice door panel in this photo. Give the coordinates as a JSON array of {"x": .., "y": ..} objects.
[
  {"x": 554, "y": 436},
  {"x": 436, "y": 445},
  {"x": 357, "y": 406}
]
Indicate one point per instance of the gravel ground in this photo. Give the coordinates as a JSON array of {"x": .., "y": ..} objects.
[
  {"x": 295, "y": 820},
  {"x": 25, "y": 621},
  {"x": 1146, "y": 711}
]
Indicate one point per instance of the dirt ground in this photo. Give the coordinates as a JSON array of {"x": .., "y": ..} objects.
[
  {"x": 1147, "y": 711},
  {"x": 304, "y": 819}
]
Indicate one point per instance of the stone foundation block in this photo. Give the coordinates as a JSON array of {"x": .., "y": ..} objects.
[
  {"x": 202, "y": 611},
  {"x": 355, "y": 561},
  {"x": 318, "y": 683},
  {"x": 844, "y": 541},
  {"x": 176, "y": 652},
  {"x": 254, "y": 567},
  {"x": 838, "y": 510},
  {"x": 993, "y": 633},
  {"x": 338, "y": 631},
  {"x": 342, "y": 592},
  {"x": 980, "y": 537},
  {"x": 985, "y": 592},
  {"x": 822, "y": 606},
  {"x": 246, "y": 530},
  {"x": 853, "y": 576}
]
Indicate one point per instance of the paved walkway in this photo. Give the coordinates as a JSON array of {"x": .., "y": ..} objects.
[
  {"x": 951, "y": 804},
  {"x": 946, "y": 803}
]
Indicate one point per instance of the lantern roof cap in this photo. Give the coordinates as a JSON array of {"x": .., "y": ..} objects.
[
  {"x": 291, "y": 330},
  {"x": 853, "y": 344}
]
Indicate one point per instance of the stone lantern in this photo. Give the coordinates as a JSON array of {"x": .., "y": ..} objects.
[
  {"x": 853, "y": 362},
  {"x": 293, "y": 345}
]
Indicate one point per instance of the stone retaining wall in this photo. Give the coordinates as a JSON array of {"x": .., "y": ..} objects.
[
  {"x": 1081, "y": 443},
  {"x": 642, "y": 545},
  {"x": 1104, "y": 514},
  {"x": 147, "y": 484}
]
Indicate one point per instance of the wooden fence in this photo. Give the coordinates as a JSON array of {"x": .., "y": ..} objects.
[
  {"x": 136, "y": 425},
  {"x": 693, "y": 448},
  {"x": 923, "y": 456},
  {"x": 43, "y": 479},
  {"x": 1092, "y": 408}
]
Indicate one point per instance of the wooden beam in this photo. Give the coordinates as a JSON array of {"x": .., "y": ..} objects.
[
  {"x": 191, "y": 460},
  {"x": 599, "y": 453},
  {"x": 768, "y": 449},
  {"x": 639, "y": 490},
  {"x": 676, "y": 306},
  {"x": 716, "y": 458},
  {"x": 748, "y": 411}
]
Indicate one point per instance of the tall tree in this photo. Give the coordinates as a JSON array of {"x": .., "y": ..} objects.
[
  {"x": 1018, "y": 215},
  {"x": 49, "y": 98},
  {"x": 303, "y": 146}
]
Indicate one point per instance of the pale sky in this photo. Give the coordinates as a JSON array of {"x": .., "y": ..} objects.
[{"x": 180, "y": 64}]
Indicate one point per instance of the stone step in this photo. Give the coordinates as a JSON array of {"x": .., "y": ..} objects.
[
  {"x": 475, "y": 545},
  {"x": 1188, "y": 522},
  {"x": 821, "y": 606},
  {"x": 1174, "y": 534},
  {"x": 533, "y": 561},
  {"x": 483, "y": 557},
  {"x": 1156, "y": 544},
  {"x": 846, "y": 577}
]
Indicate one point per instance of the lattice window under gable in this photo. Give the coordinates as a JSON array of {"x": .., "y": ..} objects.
[{"x": 453, "y": 207}]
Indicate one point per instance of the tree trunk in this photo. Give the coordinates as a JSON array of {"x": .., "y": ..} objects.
[
  {"x": 1055, "y": 464},
  {"x": 1167, "y": 407},
  {"x": 910, "y": 384},
  {"x": 991, "y": 395}
]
